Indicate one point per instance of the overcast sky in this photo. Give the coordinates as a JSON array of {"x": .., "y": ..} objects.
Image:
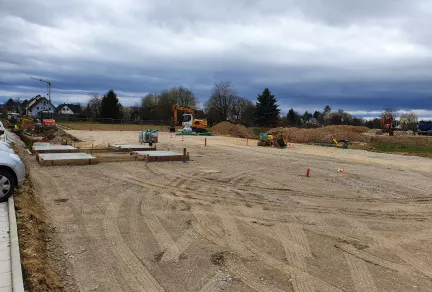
[{"x": 357, "y": 55}]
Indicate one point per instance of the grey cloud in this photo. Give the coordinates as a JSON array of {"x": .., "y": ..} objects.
[{"x": 141, "y": 46}]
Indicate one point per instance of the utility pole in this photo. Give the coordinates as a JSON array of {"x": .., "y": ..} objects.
[{"x": 48, "y": 85}]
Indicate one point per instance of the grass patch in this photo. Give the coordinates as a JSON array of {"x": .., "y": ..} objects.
[{"x": 409, "y": 147}]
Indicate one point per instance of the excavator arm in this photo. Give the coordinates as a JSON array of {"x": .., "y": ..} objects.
[{"x": 176, "y": 109}]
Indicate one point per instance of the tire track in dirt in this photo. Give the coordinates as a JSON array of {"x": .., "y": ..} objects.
[
  {"x": 159, "y": 232},
  {"x": 296, "y": 253},
  {"x": 383, "y": 241},
  {"x": 300, "y": 238},
  {"x": 232, "y": 235},
  {"x": 234, "y": 240},
  {"x": 214, "y": 284},
  {"x": 172, "y": 249},
  {"x": 137, "y": 236},
  {"x": 207, "y": 229},
  {"x": 301, "y": 281},
  {"x": 173, "y": 253},
  {"x": 360, "y": 274},
  {"x": 249, "y": 279},
  {"x": 83, "y": 226},
  {"x": 301, "y": 276},
  {"x": 373, "y": 259},
  {"x": 106, "y": 267},
  {"x": 88, "y": 231},
  {"x": 139, "y": 278}
]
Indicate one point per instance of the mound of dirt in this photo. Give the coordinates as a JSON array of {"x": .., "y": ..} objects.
[
  {"x": 228, "y": 129},
  {"x": 373, "y": 132},
  {"x": 324, "y": 134},
  {"x": 57, "y": 136}
]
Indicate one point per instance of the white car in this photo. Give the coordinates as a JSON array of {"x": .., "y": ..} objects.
[
  {"x": 5, "y": 146},
  {"x": 12, "y": 171}
]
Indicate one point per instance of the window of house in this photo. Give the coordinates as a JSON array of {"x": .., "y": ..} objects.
[
  {"x": 44, "y": 102},
  {"x": 37, "y": 108}
]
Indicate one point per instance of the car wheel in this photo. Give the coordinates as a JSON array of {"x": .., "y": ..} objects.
[{"x": 7, "y": 185}]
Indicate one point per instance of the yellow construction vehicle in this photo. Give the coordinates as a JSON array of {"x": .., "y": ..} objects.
[
  {"x": 26, "y": 122},
  {"x": 190, "y": 123},
  {"x": 341, "y": 143},
  {"x": 270, "y": 141}
]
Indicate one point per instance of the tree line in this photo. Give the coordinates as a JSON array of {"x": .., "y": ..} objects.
[{"x": 224, "y": 104}]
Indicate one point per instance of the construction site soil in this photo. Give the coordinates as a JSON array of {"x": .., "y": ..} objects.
[
  {"x": 242, "y": 218},
  {"x": 350, "y": 133},
  {"x": 233, "y": 130}
]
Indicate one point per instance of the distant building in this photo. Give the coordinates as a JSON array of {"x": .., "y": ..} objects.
[
  {"x": 37, "y": 104},
  {"x": 69, "y": 109}
]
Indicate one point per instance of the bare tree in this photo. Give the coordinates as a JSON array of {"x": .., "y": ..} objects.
[
  {"x": 240, "y": 109},
  {"x": 389, "y": 112},
  {"x": 338, "y": 118},
  {"x": 95, "y": 105},
  {"x": 221, "y": 101},
  {"x": 409, "y": 121},
  {"x": 182, "y": 97}
]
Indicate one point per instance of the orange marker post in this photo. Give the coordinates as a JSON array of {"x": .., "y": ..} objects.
[{"x": 308, "y": 172}]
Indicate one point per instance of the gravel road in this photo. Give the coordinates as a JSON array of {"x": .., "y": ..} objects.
[{"x": 243, "y": 218}]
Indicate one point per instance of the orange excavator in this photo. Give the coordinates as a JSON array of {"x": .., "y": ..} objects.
[
  {"x": 190, "y": 123},
  {"x": 45, "y": 121},
  {"x": 388, "y": 124}
]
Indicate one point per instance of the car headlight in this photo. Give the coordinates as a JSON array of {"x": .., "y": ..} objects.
[{"x": 14, "y": 157}]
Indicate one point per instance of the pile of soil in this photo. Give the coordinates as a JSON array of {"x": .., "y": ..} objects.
[
  {"x": 324, "y": 134},
  {"x": 233, "y": 130},
  {"x": 57, "y": 136},
  {"x": 373, "y": 132}
]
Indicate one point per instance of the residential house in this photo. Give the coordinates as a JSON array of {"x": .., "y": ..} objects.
[
  {"x": 69, "y": 109},
  {"x": 37, "y": 104}
]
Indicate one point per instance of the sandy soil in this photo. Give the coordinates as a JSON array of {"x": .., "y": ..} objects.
[
  {"x": 243, "y": 218},
  {"x": 113, "y": 127}
]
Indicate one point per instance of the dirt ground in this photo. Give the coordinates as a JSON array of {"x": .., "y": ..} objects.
[
  {"x": 112, "y": 127},
  {"x": 243, "y": 218}
]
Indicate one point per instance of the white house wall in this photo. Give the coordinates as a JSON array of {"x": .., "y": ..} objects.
[
  {"x": 66, "y": 110},
  {"x": 41, "y": 106}
]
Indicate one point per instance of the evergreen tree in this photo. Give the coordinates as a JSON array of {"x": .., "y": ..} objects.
[
  {"x": 111, "y": 107},
  {"x": 291, "y": 117},
  {"x": 327, "y": 109},
  {"x": 306, "y": 116},
  {"x": 267, "y": 111}
]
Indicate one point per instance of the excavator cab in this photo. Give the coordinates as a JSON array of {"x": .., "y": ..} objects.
[{"x": 189, "y": 122}]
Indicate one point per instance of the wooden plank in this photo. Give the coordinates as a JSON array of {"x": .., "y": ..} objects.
[
  {"x": 65, "y": 159},
  {"x": 89, "y": 161},
  {"x": 121, "y": 158},
  {"x": 57, "y": 151}
]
